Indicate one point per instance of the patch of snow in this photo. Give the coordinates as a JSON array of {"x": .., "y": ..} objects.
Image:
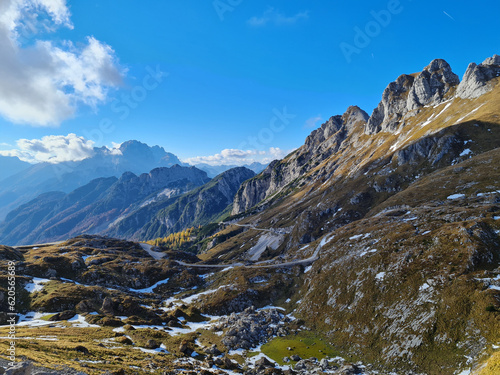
[
  {"x": 187, "y": 300},
  {"x": 367, "y": 252},
  {"x": 325, "y": 240},
  {"x": 36, "y": 285},
  {"x": 455, "y": 196},
  {"x": 410, "y": 218},
  {"x": 356, "y": 237},
  {"x": 78, "y": 321},
  {"x": 308, "y": 268},
  {"x": 34, "y": 319},
  {"x": 380, "y": 276},
  {"x": 150, "y": 289},
  {"x": 161, "y": 349},
  {"x": 423, "y": 287},
  {"x": 494, "y": 287},
  {"x": 496, "y": 217},
  {"x": 270, "y": 307},
  {"x": 466, "y": 152},
  {"x": 426, "y": 232},
  {"x": 470, "y": 113}
]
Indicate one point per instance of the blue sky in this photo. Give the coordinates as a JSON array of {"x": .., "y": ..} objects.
[{"x": 256, "y": 76}]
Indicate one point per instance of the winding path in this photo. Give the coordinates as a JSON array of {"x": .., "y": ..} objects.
[{"x": 314, "y": 257}]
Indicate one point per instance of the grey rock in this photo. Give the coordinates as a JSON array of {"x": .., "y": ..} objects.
[
  {"x": 476, "y": 80},
  {"x": 324, "y": 364},
  {"x": 213, "y": 350},
  {"x": 21, "y": 368},
  {"x": 392, "y": 107},
  {"x": 264, "y": 362},
  {"x": 410, "y": 93},
  {"x": 151, "y": 344},
  {"x": 432, "y": 84}
]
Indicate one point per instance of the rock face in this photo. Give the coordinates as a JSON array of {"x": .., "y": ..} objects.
[
  {"x": 476, "y": 80},
  {"x": 432, "y": 84},
  {"x": 410, "y": 93},
  {"x": 197, "y": 207},
  {"x": 319, "y": 145},
  {"x": 344, "y": 137}
]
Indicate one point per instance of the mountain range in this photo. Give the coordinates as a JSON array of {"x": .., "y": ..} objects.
[
  {"x": 20, "y": 182},
  {"x": 377, "y": 241}
]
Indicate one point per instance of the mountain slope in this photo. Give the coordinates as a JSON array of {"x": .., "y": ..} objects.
[
  {"x": 91, "y": 208},
  {"x": 200, "y": 206},
  {"x": 402, "y": 209},
  {"x": 11, "y": 165}
]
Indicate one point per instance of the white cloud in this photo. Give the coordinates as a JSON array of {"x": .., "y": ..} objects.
[
  {"x": 239, "y": 157},
  {"x": 52, "y": 149},
  {"x": 277, "y": 18},
  {"x": 41, "y": 83},
  {"x": 313, "y": 121}
]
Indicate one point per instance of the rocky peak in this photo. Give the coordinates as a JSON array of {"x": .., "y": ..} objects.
[
  {"x": 354, "y": 115},
  {"x": 476, "y": 80},
  {"x": 411, "y": 92},
  {"x": 326, "y": 130},
  {"x": 336, "y": 125},
  {"x": 432, "y": 84},
  {"x": 388, "y": 113}
]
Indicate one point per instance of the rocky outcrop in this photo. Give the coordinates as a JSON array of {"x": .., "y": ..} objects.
[
  {"x": 432, "y": 84},
  {"x": 251, "y": 327},
  {"x": 410, "y": 93},
  {"x": 319, "y": 145},
  {"x": 476, "y": 80}
]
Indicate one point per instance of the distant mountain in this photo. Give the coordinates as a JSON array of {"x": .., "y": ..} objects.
[
  {"x": 131, "y": 156},
  {"x": 10, "y": 165},
  {"x": 92, "y": 207},
  {"x": 198, "y": 207},
  {"x": 214, "y": 170}
]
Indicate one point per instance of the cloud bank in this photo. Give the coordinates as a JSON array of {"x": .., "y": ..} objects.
[
  {"x": 41, "y": 83},
  {"x": 239, "y": 157},
  {"x": 52, "y": 149}
]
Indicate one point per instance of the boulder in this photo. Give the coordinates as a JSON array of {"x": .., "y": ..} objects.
[
  {"x": 65, "y": 315},
  {"x": 21, "y": 368}
]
